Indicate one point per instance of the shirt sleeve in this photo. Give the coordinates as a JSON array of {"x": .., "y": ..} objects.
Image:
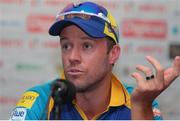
[
  {"x": 33, "y": 105},
  {"x": 156, "y": 111}
]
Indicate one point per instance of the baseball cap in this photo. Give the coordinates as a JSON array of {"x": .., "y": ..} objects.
[{"x": 93, "y": 19}]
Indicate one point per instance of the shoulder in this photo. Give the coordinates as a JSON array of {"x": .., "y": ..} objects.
[
  {"x": 33, "y": 103},
  {"x": 42, "y": 89},
  {"x": 129, "y": 88}
]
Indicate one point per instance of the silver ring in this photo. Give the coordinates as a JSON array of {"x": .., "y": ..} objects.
[{"x": 149, "y": 77}]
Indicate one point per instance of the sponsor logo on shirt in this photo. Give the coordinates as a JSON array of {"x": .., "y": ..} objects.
[
  {"x": 18, "y": 114},
  {"x": 28, "y": 99}
]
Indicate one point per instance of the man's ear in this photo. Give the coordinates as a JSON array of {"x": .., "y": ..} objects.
[{"x": 114, "y": 54}]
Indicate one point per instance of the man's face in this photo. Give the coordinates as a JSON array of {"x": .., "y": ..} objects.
[{"x": 85, "y": 59}]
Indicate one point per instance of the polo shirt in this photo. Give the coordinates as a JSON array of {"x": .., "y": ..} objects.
[{"x": 37, "y": 104}]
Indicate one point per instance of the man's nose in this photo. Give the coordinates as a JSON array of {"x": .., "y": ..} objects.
[{"x": 75, "y": 56}]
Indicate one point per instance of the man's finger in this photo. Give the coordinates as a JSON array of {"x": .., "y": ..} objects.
[
  {"x": 146, "y": 70},
  {"x": 138, "y": 77},
  {"x": 176, "y": 65},
  {"x": 173, "y": 72},
  {"x": 158, "y": 67}
]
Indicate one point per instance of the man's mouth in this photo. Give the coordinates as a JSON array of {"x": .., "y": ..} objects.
[{"x": 74, "y": 72}]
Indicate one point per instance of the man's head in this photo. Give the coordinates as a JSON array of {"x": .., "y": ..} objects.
[{"x": 88, "y": 52}]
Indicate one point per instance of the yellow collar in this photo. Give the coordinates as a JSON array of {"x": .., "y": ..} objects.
[{"x": 119, "y": 95}]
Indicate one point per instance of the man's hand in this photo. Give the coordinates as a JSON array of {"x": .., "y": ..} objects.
[{"x": 147, "y": 90}]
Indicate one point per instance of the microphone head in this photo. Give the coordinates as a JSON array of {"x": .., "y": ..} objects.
[{"x": 64, "y": 90}]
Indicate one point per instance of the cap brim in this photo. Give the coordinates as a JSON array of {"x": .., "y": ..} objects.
[{"x": 90, "y": 27}]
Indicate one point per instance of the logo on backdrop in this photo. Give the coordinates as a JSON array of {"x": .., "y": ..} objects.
[
  {"x": 148, "y": 29},
  {"x": 38, "y": 23}
]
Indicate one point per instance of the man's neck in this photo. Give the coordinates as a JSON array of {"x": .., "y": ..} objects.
[{"x": 95, "y": 101}]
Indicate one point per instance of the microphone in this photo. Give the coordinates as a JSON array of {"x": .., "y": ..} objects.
[{"x": 63, "y": 91}]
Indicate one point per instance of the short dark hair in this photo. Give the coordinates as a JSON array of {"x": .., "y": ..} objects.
[{"x": 110, "y": 44}]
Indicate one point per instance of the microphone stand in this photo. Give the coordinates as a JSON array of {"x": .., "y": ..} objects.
[
  {"x": 57, "y": 104},
  {"x": 62, "y": 91}
]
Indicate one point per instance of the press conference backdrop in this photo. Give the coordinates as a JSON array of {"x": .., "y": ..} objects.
[{"x": 29, "y": 56}]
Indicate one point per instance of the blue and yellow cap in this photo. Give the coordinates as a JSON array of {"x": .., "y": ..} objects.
[{"x": 92, "y": 18}]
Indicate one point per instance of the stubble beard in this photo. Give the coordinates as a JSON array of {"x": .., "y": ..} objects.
[{"x": 89, "y": 83}]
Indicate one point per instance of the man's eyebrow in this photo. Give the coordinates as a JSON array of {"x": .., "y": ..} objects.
[{"x": 62, "y": 38}]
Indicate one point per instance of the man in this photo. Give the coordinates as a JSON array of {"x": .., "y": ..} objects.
[{"x": 89, "y": 43}]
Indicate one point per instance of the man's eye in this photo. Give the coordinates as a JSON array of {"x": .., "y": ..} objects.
[
  {"x": 87, "y": 46},
  {"x": 66, "y": 47}
]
